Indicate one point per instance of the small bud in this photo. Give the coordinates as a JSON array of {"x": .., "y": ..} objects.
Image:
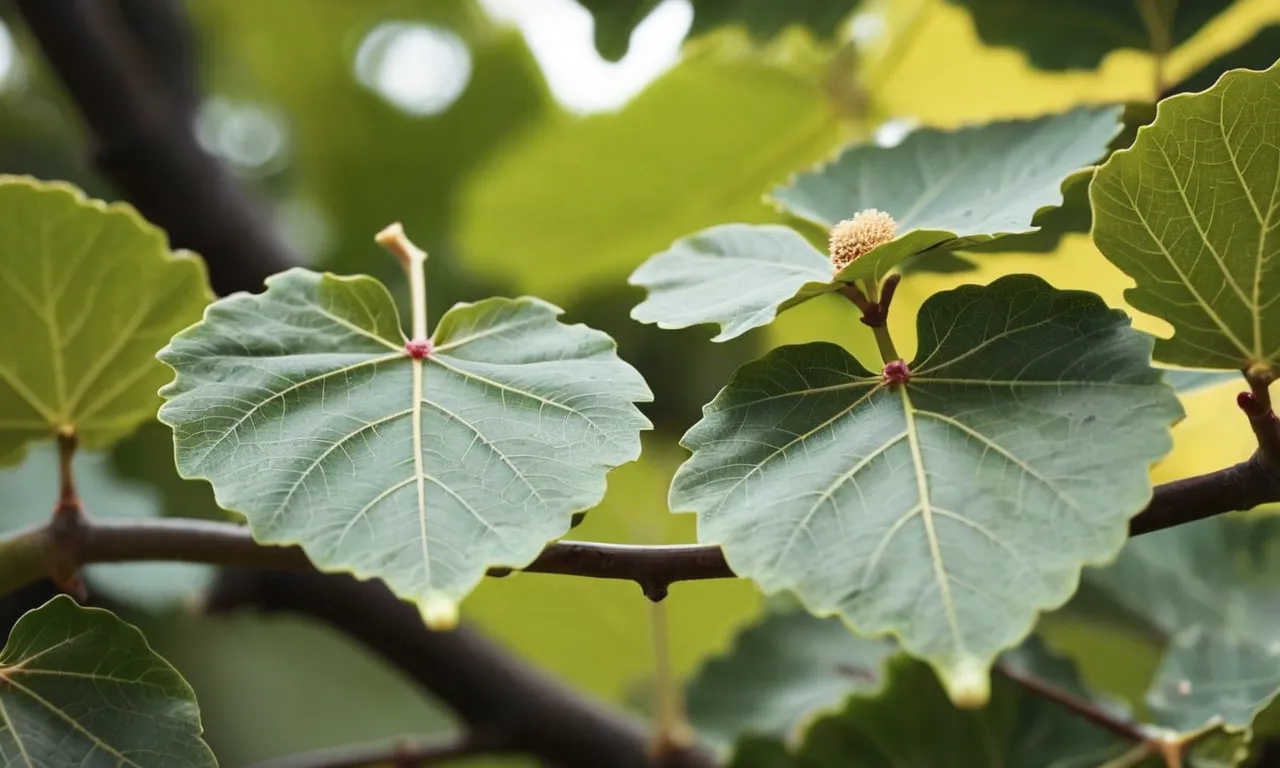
[
  {"x": 418, "y": 349},
  {"x": 852, "y": 238},
  {"x": 896, "y": 372}
]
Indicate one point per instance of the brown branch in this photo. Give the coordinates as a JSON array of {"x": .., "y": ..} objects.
[
  {"x": 143, "y": 138},
  {"x": 491, "y": 691},
  {"x": 401, "y": 754},
  {"x": 24, "y": 554},
  {"x": 1077, "y": 705}
]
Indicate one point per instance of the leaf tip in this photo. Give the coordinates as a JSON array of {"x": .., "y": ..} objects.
[
  {"x": 439, "y": 613},
  {"x": 968, "y": 684}
]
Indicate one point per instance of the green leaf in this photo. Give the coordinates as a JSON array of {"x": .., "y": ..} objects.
[
  {"x": 946, "y": 190},
  {"x": 780, "y": 674},
  {"x": 299, "y": 406},
  {"x": 1078, "y": 34},
  {"x": 1017, "y": 729},
  {"x": 921, "y": 509},
  {"x": 78, "y": 686},
  {"x": 1260, "y": 52},
  {"x": 31, "y": 490},
  {"x": 737, "y": 275},
  {"x": 88, "y": 293},
  {"x": 1189, "y": 212},
  {"x": 1209, "y": 587},
  {"x": 615, "y": 20}
]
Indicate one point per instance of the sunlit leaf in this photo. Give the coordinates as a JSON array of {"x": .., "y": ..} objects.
[
  {"x": 1260, "y": 52},
  {"x": 1078, "y": 34},
  {"x": 88, "y": 293},
  {"x": 27, "y": 497},
  {"x": 782, "y": 673},
  {"x": 80, "y": 687},
  {"x": 696, "y": 134},
  {"x": 921, "y": 509},
  {"x": 1190, "y": 213},
  {"x": 300, "y": 406},
  {"x": 615, "y": 20}
]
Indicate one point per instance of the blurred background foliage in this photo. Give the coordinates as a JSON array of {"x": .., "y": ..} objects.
[{"x": 525, "y": 162}]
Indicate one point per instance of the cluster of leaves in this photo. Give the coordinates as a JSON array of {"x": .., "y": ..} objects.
[{"x": 914, "y": 509}]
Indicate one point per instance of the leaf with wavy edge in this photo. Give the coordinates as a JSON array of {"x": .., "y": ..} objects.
[
  {"x": 80, "y": 687},
  {"x": 88, "y": 293},
  {"x": 1190, "y": 212},
  {"x": 299, "y": 406},
  {"x": 945, "y": 189},
  {"x": 922, "y": 509}
]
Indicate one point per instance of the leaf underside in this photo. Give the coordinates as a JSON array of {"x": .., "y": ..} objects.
[
  {"x": 921, "y": 509},
  {"x": 1190, "y": 212},
  {"x": 945, "y": 189},
  {"x": 80, "y": 687},
  {"x": 88, "y": 293},
  {"x": 298, "y": 406}
]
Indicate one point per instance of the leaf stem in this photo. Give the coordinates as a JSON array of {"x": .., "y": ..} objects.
[
  {"x": 672, "y": 735},
  {"x": 413, "y": 259},
  {"x": 401, "y": 752},
  {"x": 1256, "y": 404},
  {"x": 1159, "y": 33}
]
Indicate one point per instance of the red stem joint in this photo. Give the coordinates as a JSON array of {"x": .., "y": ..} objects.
[
  {"x": 418, "y": 349},
  {"x": 896, "y": 372}
]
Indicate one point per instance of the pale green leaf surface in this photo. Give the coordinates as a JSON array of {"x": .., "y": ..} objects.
[
  {"x": 79, "y": 687},
  {"x": 29, "y": 492},
  {"x": 921, "y": 510},
  {"x": 88, "y": 293},
  {"x": 955, "y": 188},
  {"x": 298, "y": 406},
  {"x": 1080, "y": 33},
  {"x": 781, "y": 673},
  {"x": 1190, "y": 212},
  {"x": 1209, "y": 587}
]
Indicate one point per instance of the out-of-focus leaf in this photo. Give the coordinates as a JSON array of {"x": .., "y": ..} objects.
[
  {"x": 1185, "y": 381},
  {"x": 1209, "y": 587},
  {"x": 780, "y": 674},
  {"x": 80, "y": 687},
  {"x": 1189, "y": 212},
  {"x": 29, "y": 492},
  {"x": 1260, "y": 52},
  {"x": 919, "y": 508},
  {"x": 1078, "y": 34},
  {"x": 88, "y": 293},
  {"x": 617, "y": 19},
  {"x": 302, "y": 408},
  {"x": 606, "y": 191}
]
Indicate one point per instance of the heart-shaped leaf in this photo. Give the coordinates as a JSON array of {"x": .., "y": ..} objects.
[
  {"x": 30, "y": 491},
  {"x": 78, "y": 686},
  {"x": 781, "y": 673},
  {"x": 303, "y": 409},
  {"x": 88, "y": 293},
  {"x": 1209, "y": 587},
  {"x": 1078, "y": 34},
  {"x": 944, "y": 189},
  {"x": 920, "y": 509},
  {"x": 1190, "y": 212}
]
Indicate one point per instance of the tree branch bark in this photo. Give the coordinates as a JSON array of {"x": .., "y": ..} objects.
[{"x": 491, "y": 692}]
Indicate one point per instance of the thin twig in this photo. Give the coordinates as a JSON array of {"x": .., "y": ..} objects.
[
  {"x": 1122, "y": 727},
  {"x": 400, "y": 753}
]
